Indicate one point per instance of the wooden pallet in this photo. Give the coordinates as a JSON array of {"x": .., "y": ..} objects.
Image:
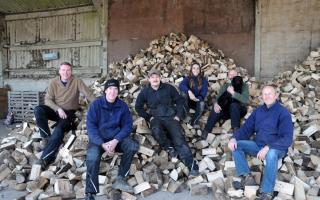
[{"x": 22, "y": 104}]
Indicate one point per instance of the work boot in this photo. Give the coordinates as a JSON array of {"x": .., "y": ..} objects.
[
  {"x": 248, "y": 180},
  {"x": 204, "y": 134},
  {"x": 121, "y": 184},
  {"x": 194, "y": 169},
  {"x": 264, "y": 196},
  {"x": 172, "y": 152},
  {"x": 89, "y": 196}
]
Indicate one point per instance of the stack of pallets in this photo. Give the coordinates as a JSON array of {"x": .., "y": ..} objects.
[{"x": 22, "y": 104}]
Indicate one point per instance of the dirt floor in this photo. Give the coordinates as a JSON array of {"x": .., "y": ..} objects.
[{"x": 9, "y": 194}]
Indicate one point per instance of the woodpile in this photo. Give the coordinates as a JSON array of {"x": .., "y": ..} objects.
[{"x": 151, "y": 169}]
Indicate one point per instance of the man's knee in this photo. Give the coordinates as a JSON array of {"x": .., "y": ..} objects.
[
  {"x": 271, "y": 156},
  {"x": 39, "y": 111},
  {"x": 130, "y": 145},
  {"x": 178, "y": 139},
  {"x": 93, "y": 154},
  {"x": 156, "y": 131},
  {"x": 234, "y": 106}
]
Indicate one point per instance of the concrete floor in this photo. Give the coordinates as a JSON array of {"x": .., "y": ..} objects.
[{"x": 6, "y": 194}]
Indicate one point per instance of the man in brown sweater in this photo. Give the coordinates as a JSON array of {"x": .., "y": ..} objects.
[{"x": 61, "y": 103}]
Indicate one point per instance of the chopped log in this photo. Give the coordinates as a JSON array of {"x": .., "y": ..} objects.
[
  {"x": 141, "y": 187},
  {"x": 35, "y": 172}
]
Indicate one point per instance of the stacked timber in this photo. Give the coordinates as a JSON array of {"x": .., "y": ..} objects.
[{"x": 152, "y": 169}]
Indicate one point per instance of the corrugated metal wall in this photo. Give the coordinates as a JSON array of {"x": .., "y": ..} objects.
[{"x": 75, "y": 37}]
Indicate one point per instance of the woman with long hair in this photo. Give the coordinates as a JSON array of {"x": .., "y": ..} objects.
[{"x": 194, "y": 88}]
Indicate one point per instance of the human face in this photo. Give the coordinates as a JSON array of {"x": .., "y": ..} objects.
[
  {"x": 195, "y": 69},
  {"x": 232, "y": 74},
  {"x": 65, "y": 72},
  {"x": 269, "y": 95},
  {"x": 154, "y": 80},
  {"x": 111, "y": 93}
]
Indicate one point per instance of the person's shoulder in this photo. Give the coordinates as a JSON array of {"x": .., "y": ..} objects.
[
  {"x": 185, "y": 78},
  {"x": 76, "y": 79},
  {"x": 259, "y": 108},
  {"x": 167, "y": 85},
  {"x": 283, "y": 108},
  {"x": 144, "y": 89},
  {"x": 53, "y": 81},
  {"x": 122, "y": 103},
  {"x": 97, "y": 101}
]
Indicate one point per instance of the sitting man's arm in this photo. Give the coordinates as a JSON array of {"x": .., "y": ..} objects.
[
  {"x": 50, "y": 97},
  {"x": 140, "y": 102},
  {"x": 285, "y": 132},
  {"x": 125, "y": 131},
  {"x": 50, "y": 101},
  {"x": 83, "y": 88},
  {"x": 93, "y": 125},
  {"x": 126, "y": 125},
  {"x": 178, "y": 100},
  {"x": 244, "y": 96}
]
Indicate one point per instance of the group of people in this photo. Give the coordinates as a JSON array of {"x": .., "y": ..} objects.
[{"x": 109, "y": 123}]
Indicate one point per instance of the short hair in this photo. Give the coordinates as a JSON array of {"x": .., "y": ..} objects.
[
  {"x": 272, "y": 85},
  {"x": 65, "y": 63}
]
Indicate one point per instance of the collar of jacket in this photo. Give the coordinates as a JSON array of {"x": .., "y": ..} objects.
[
  {"x": 107, "y": 105},
  {"x": 160, "y": 86},
  {"x": 58, "y": 80},
  {"x": 272, "y": 107}
]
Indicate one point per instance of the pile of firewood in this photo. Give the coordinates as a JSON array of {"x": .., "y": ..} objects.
[{"x": 152, "y": 169}]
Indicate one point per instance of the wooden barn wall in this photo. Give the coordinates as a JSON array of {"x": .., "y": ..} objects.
[{"x": 75, "y": 36}]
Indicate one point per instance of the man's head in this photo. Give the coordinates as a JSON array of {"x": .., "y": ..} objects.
[
  {"x": 269, "y": 94},
  {"x": 111, "y": 89},
  {"x": 154, "y": 78},
  {"x": 232, "y": 73},
  {"x": 65, "y": 71}
]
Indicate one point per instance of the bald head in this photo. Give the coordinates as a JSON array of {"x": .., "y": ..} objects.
[{"x": 232, "y": 73}]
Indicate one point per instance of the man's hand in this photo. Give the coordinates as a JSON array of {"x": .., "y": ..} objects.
[
  {"x": 230, "y": 89},
  {"x": 176, "y": 118},
  {"x": 217, "y": 108},
  {"x": 110, "y": 146},
  {"x": 262, "y": 153},
  {"x": 232, "y": 144},
  {"x": 62, "y": 114}
]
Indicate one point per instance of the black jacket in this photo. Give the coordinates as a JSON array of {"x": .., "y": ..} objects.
[{"x": 164, "y": 102}]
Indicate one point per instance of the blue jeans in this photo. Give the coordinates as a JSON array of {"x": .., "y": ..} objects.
[
  {"x": 249, "y": 147},
  {"x": 127, "y": 146}
]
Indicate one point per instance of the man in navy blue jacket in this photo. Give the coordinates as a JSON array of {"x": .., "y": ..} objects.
[
  {"x": 109, "y": 124},
  {"x": 273, "y": 128},
  {"x": 165, "y": 111}
]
